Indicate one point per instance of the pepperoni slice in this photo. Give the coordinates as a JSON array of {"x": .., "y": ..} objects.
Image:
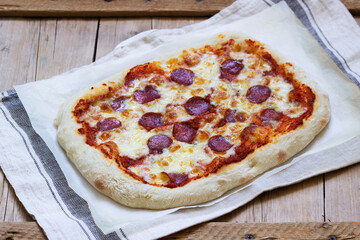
[
  {"x": 270, "y": 115},
  {"x": 183, "y": 132},
  {"x": 182, "y": 76},
  {"x": 219, "y": 144},
  {"x": 258, "y": 93},
  {"x": 141, "y": 71},
  {"x": 108, "y": 124},
  {"x": 176, "y": 179},
  {"x": 158, "y": 142},
  {"x": 147, "y": 95},
  {"x": 230, "y": 69},
  {"x": 127, "y": 162},
  {"x": 241, "y": 117},
  {"x": 230, "y": 115},
  {"x": 151, "y": 120},
  {"x": 197, "y": 106},
  {"x": 118, "y": 104}
]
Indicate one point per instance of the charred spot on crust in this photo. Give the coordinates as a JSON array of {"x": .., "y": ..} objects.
[
  {"x": 282, "y": 155},
  {"x": 100, "y": 183}
]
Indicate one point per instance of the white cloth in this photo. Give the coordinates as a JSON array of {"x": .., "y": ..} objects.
[{"x": 29, "y": 150}]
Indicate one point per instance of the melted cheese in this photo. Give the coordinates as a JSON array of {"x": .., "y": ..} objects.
[{"x": 191, "y": 158}]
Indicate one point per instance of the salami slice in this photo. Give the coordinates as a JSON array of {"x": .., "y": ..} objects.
[
  {"x": 182, "y": 76},
  {"x": 230, "y": 68},
  {"x": 197, "y": 106},
  {"x": 147, "y": 95},
  {"x": 151, "y": 120},
  {"x": 108, "y": 124},
  {"x": 118, "y": 104},
  {"x": 241, "y": 117},
  {"x": 258, "y": 93},
  {"x": 270, "y": 115},
  {"x": 158, "y": 142},
  {"x": 219, "y": 144},
  {"x": 176, "y": 179},
  {"x": 230, "y": 115},
  {"x": 183, "y": 132}
]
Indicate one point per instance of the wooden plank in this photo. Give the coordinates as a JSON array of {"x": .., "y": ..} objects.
[
  {"x": 250, "y": 212},
  {"x": 117, "y": 8},
  {"x": 311, "y": 230},
  {"x": 342, "y": 194},
  {"x": 214, "y": 231},
  {"x": 65, "y": 44},
  {"x": 18, "y": 51},
  {"x": 113, "y": 31},
  {"x": 21, "y": 230},
  {"x": 278, "y": 205},
  {"x": 111, "y": 8},
  {"x": 302, "y": 202}
]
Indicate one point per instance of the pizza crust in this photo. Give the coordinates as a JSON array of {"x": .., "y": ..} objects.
[{"x": 108, "y": 178}]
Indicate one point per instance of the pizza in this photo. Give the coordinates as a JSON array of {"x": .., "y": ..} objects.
[{"x": 188, "y": 127}]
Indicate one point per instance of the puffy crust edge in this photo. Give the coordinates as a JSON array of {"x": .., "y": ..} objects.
[{"x": 110, "y": 180}]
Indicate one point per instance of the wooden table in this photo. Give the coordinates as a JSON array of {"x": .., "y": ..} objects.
[{"x": 32, "y": 49}]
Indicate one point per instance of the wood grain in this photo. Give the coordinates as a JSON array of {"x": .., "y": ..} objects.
[
  {"x": 65, "y": 44},
  {"x": 278, "y": 205},
  {"x": 18, "y": 49},
  {"x": 111, "y": 8},
  {"x": 224, "y": 231},
  {"x": 300, "y": 202},
  {"x": 121, "y": 8},
  {"x": 310, "y": 230},
  {"x": 113, "y": 31},
  {"x": 21, "y": 230},
  {"x": 342, "y": 194}
]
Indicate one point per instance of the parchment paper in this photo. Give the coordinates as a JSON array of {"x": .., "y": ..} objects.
[{"x": 279, "y": 28}]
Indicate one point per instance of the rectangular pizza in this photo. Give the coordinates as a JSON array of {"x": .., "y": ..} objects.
[{"x": 190, "y": 126}]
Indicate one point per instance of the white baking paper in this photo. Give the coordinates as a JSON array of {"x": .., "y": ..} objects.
[{"x": 278, "y": 27}]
